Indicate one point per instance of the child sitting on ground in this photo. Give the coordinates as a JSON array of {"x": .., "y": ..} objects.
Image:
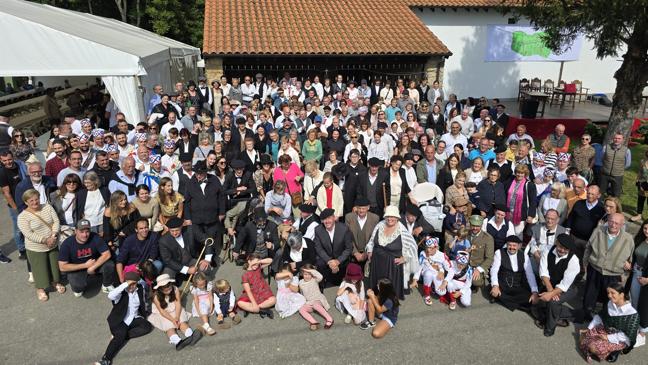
[
  {"x": 459, "y": 283},
  {"x": 225, "y": 303},
  {"x": 203, "y": 301},
  {"x": 169, "y": 316},
  {"x": 257, "y": 296},
  {"x": 315, "y": 300},
  {"x": 343, "y": 302},
  {"x": 435, "y": 268},
  {"x": 289, "y": 301},
  {"x": 383, "y": 304}
]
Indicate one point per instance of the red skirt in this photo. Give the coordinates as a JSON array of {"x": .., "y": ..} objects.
[{"x": 601, "y": 348}]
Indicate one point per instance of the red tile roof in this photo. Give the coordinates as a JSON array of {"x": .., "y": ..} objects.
[
  {"x": 463, "y": 3},
  {"x": 316, "y": 27}
]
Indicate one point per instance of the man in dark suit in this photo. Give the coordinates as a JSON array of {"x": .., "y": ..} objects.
[
  {"x": 104, "y": 168},
  {"x": 415, "y": 223},
  {"x": 333, "y": 246},
  {"x": 240, "y": 134},
  {"x": 308, "y": 221},
  {"x": 44, "y": 184},
  {"x": 501, "y": 117},
  {"x": 127, "y": 319},
  {"x": 374, "y": 185},
  {"x": 204, "y": 207},
  {"x": 338, "y": 86},
  {"x": 504, "y": 165},
  {"x": 239, "y": 188},
  {"x": 375, "y": 92},
  {"x": 258, "y": 236},
  {"x": 178, "y": 252},
  {"x": 361, "y": 223},
  {"x": 352, "y": 179}
]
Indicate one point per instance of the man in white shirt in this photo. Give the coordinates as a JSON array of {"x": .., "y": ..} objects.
[
  {"x": 543, "y": 237},
  {"x": 127, "y": 318},
  {"x": 520, "y": 134},
  {"x": 248, "y": 90},
  {"x": 558, "y": 269},
  {"x": 511, "y": 276},
  {"x": 466, "y": 122},
  {"x": 454, "y": 137},
  {"x": 172, "y": 122},
  {"x": 307, "y": 221},
  {"x": 205, "y": 93}
]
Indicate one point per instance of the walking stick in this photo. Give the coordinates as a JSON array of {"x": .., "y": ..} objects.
[
  {"x": 208, "y": 242},
  {"x": 384, "y": 194}
]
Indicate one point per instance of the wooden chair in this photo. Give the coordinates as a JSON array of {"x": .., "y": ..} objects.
[
  {"x": 536, "y": 84},
  {"x": 523, "y": 85},
  {"x": 548, "y": 86},
  {"x": 580, "y": 90}
]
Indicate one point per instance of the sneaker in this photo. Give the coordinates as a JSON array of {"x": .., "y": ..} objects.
[
  {"x": 367, "y": 324},
  {"x": 107, "y": 289},
  {"x": 641, "y": 340},
  {"x": 452, "y": 306},
  {"x": 103, "y": 361},
  {"x": 30, "y": 278},
  {"x": 77, "y": 295},
  {"x": 428, "y": 300},
  {"x": 22, "y": 255},
  {"x": 348, "y": 319},
  {"x": 210, "y": 331},
  {"x": 4, "y": 259}
]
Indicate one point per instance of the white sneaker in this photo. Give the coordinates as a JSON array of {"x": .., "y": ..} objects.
[
  {"x": 348, "y": 319},
  {"x": 107, "y": 289},
  {"x": 641, "y": 340},
  {"x": 77, "y": 295},
  {"x": 30, "y": 279}
]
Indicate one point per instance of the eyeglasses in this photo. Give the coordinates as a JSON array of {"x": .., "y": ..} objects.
[
  {"x": 36, "y": 172},
  {"x": 221, "y": 162},
  {"x": 71, "y": 182},
  {"x": 18, "y": 135},
  {"x": 354, "y": 137}
]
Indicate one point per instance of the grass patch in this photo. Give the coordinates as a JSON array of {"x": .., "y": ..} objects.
[{"x": 629, "y": 194}]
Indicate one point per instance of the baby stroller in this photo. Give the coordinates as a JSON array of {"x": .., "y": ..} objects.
[{"x": 430, "y": 200}]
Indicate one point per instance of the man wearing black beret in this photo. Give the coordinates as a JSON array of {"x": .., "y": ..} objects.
[
  {"x": 333, "y": 247},
  {"x": 374, "y": 185}
]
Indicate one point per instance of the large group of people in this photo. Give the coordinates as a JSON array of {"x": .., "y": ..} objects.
[{"x": 319, "y": 185}]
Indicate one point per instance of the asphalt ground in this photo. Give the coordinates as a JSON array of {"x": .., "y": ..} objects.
[{"x": 68, "y": 330}]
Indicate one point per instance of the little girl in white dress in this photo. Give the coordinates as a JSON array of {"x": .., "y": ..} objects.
[
  {"x": 203, "y": 301},
  {"x": 289, "y": 300}
]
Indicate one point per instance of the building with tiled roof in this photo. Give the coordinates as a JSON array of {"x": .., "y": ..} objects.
[
  {"x": 357, "y": 38},
  {"x": 447, "y": 40}
]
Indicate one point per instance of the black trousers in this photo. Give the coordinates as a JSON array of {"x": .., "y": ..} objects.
[
  {"x": 643, "y": 306},
  {"x": 552, "y": 311},
  {"x": 596, "y": 287},
  {"x": 79, "y": 279},
  {"x": 209, "y": 230},
  {"x": 122, "y": 333}
]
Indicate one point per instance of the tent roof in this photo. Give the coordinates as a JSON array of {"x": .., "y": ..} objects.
[{"x": 50, "y": 41}]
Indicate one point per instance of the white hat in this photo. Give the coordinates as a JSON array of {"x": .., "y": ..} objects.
[
  {"x": 162, "y": 280},
  {"x": 391, "y": 211}
]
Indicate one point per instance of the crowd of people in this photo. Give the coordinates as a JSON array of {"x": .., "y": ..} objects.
[{"x": 317, "y": 185}]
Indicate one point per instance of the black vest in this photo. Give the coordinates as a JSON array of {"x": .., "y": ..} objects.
[
  {"x": 507, "y": 277},
  {"x": 557, "y": 270},
  {"x": 5, "y": 138},
  {"x": 119, "y": 310},
  {"x": 304, "y": 223},
  {"x": 499, "y": 237}
]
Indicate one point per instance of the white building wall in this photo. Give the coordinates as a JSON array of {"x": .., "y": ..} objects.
[{"x": 466, "y": 74}]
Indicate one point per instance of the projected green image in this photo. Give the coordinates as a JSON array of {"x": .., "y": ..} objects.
[{"x": 529, "y": 44}]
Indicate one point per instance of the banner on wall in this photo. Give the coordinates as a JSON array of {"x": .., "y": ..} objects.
[{"x": 508, "y": 43}]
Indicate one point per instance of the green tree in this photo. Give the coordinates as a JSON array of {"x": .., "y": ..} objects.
[
  {"x": 181, "y": 20},
  {"x": 615, "y": 27}
]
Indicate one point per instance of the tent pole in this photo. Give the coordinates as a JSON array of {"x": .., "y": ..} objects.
[{"x": 562, "y": 64}]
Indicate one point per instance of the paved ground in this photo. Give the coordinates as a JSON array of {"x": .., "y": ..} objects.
[{"x": 67, "y": 330}]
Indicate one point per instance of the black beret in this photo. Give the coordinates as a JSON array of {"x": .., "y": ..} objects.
[{"x": 328, "y": 212}]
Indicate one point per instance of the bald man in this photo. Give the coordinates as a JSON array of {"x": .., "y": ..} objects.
[
  {"x": 559, "y": 139},
  {"x": 607, "y": 255}
]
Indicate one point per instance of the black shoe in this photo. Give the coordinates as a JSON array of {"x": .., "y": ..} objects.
[
  {"x": 22, "y": 255},
  {"x": 407, "y": 291},
  {"x": 103, "y": 361},
  {"x": 562, "y": 323},
  {"x": 245, "y": 314},
  {"x": 267, "y": 313},
  {"x": 548, "y": 332},
  {"x": 613, "y": 356},
  {"x": 539, "y": 324},
  {"x": 4, "y": 259},
  {"x": 474, "y": 289},
  {"x": 183, "y": 343},
  {"x": 195, "y": 337}
]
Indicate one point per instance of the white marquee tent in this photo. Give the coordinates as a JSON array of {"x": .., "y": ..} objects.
[{"x": 41, "y": 40}]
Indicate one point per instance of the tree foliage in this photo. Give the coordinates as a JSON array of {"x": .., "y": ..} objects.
[
  {"x": 616, "y": 27},
  {"x": 181, "y": 20}
]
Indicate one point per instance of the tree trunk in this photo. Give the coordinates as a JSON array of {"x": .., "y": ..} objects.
[
  {"x": 632, "y": 78},
  {"x": 122, "y": 6},
  {"x": 139, "y": 17},
  {"x": 90, "y": 7}
]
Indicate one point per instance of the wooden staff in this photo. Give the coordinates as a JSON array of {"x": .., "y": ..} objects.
[
  {"x": 384, "y": 189},
  {"x": 208, "y": 242}
]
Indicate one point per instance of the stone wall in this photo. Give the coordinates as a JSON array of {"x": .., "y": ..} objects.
[
  {"x": 213, "y": 68},
  {"x": 434, "y": 69}
]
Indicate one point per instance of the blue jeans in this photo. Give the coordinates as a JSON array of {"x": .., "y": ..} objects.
[{"x": 18, "y": 237}]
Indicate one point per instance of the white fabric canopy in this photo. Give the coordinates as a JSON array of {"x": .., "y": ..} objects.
[{"x": 42, "y": 40}]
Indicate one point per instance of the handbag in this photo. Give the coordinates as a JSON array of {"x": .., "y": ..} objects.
[
  {"x": 51, "y": 227},
  {"x": 296, "y": 197}
]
